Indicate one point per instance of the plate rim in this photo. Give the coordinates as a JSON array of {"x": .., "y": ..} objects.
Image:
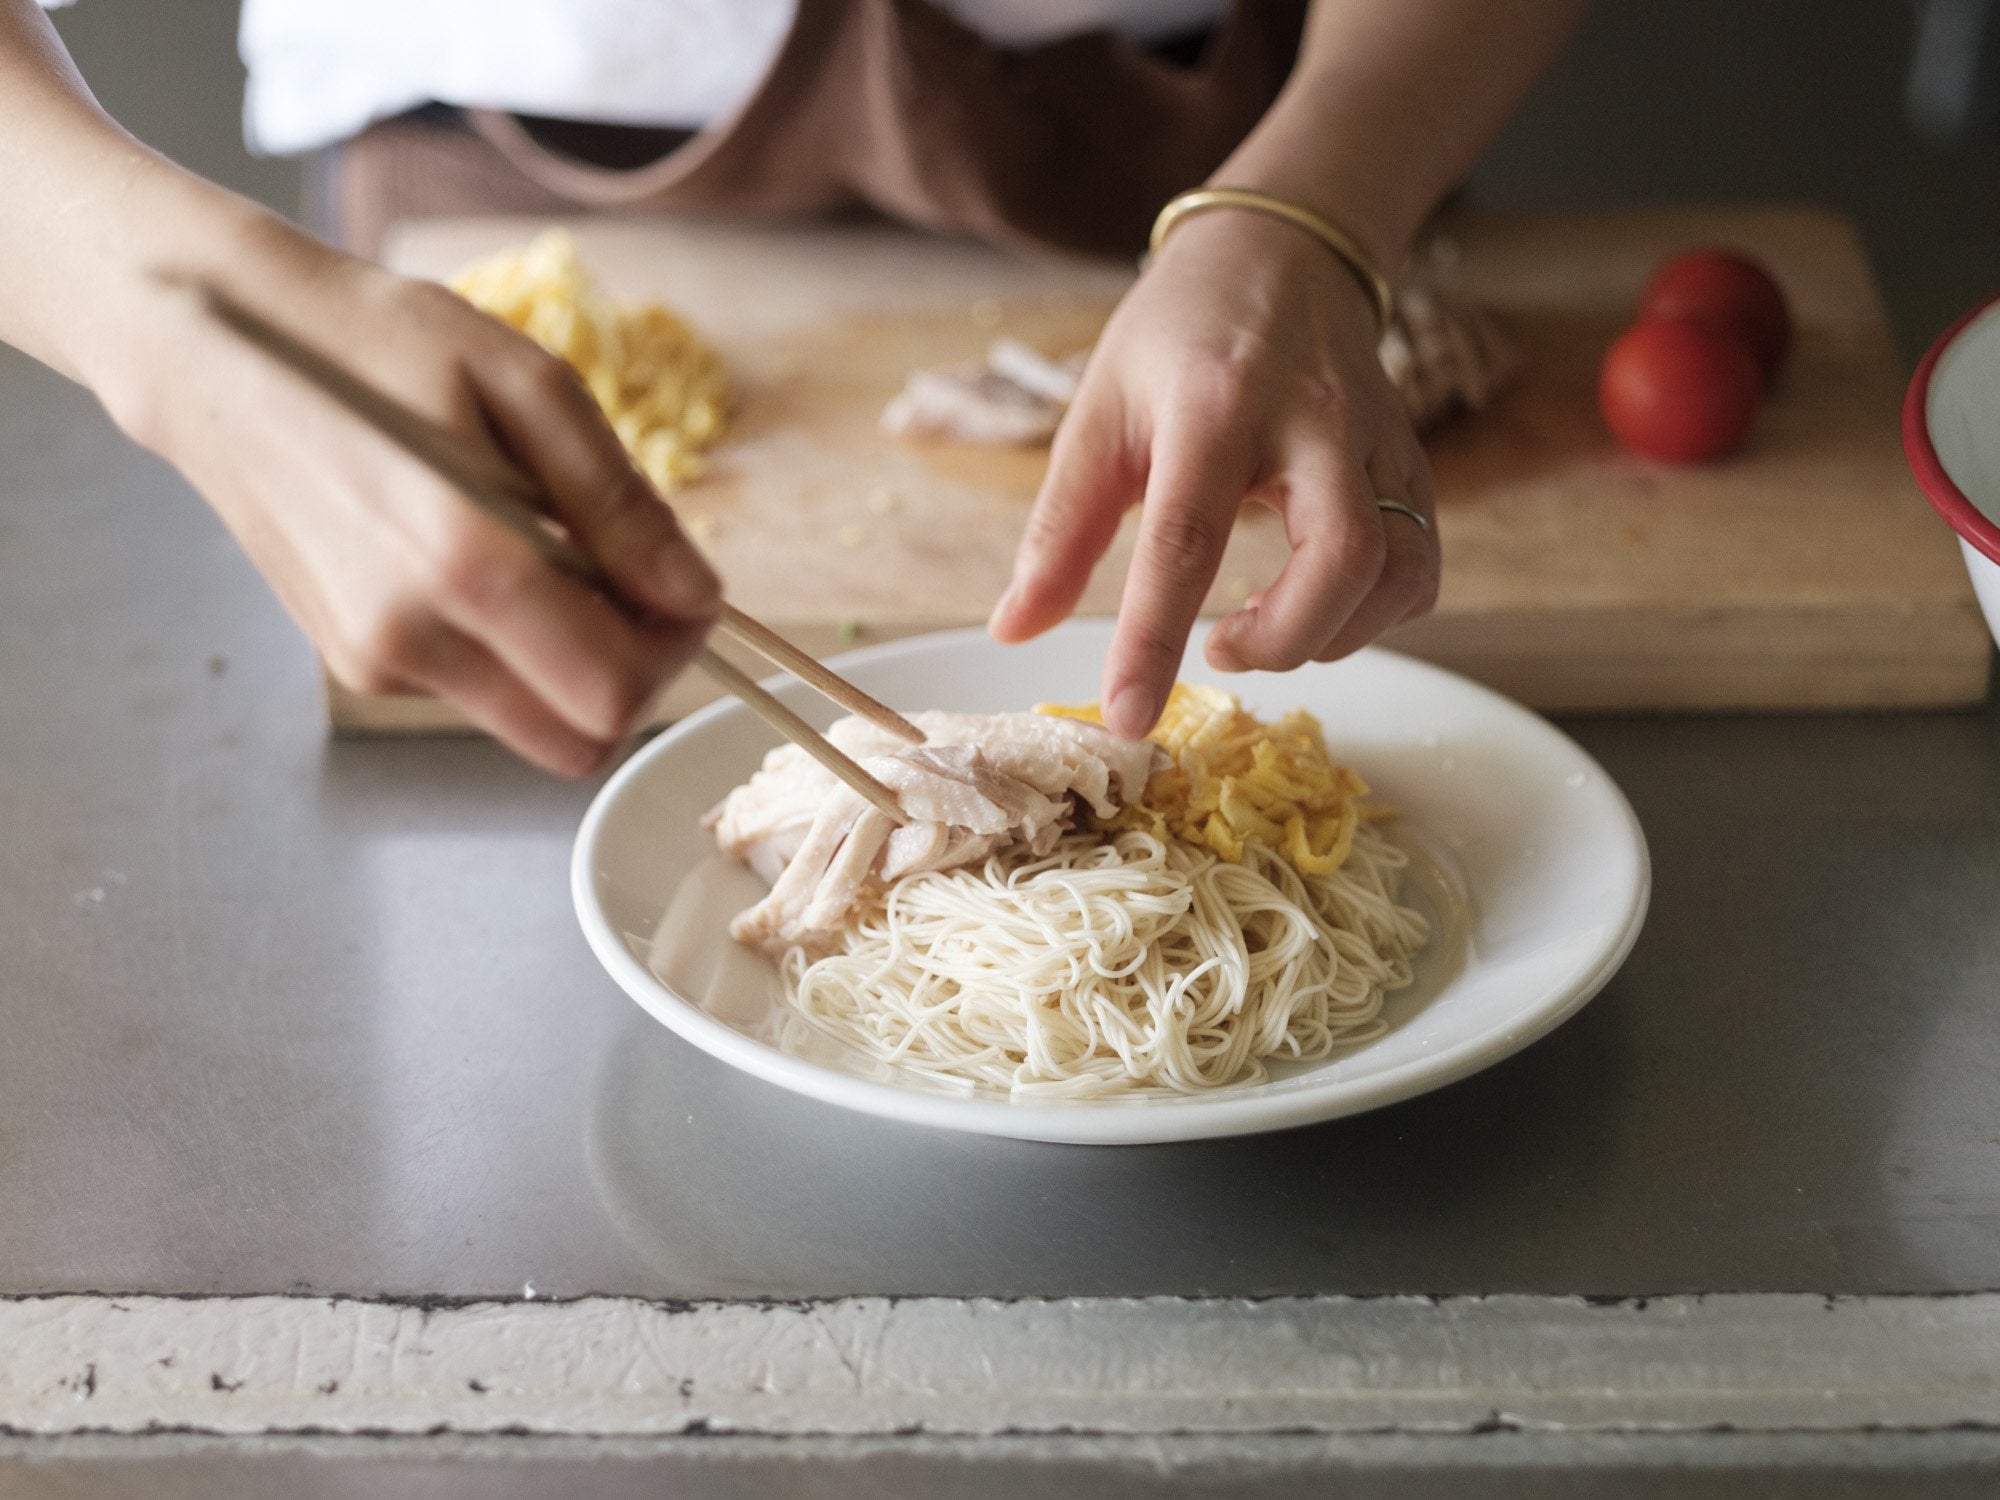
[{"x": 1195, "y": 1117}]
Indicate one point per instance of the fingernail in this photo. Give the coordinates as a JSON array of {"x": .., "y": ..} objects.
[
  {"x": 1133, "y": 711},
  {"x": 1223, "y": 657}
]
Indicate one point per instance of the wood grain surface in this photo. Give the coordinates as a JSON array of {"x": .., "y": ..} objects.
[{"x": 1805, "y": 573}]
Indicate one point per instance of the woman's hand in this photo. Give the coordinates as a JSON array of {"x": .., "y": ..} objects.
[
  {"x": 1241, "y": 367},
  {"x": 402, "y": 583}
]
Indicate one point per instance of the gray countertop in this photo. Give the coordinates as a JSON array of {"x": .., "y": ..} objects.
[{"x": 283, "y": 1015}]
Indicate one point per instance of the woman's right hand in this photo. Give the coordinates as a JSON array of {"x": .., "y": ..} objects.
[{"x": 405, "y": 586}]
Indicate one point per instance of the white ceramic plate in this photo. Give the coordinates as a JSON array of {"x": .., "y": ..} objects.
[{"x": 1527, "y": 859}]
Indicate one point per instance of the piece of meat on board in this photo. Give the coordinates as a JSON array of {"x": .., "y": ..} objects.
[{"x": 1012, "y": 398}]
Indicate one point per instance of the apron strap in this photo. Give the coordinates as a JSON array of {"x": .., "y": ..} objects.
[{"x": 894, "y": 104}]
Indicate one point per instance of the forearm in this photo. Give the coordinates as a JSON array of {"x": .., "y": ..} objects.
[
  {"x": 1391, "y": 103},
  {"x": 89, "y": 209}
]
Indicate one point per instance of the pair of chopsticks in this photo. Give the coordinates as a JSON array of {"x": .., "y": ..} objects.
[{"x": 518, "y": 503}]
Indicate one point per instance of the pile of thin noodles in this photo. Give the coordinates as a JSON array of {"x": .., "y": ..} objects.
[{"x": 1139, "y": 957}]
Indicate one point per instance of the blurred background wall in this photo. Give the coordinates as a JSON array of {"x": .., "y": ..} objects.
[{"x": 1879, "y": 107}]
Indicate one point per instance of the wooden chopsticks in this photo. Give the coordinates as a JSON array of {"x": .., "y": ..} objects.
[
  {"x": 814, "y": 673},
  {"x": 518, "y": 503}
]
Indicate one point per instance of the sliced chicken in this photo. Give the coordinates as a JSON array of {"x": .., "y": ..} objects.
[
  {"x": 1444, "y": 354},
  {"x": 1033, "y": 371},
  {"x": 981, "y": 784},
  {"x": 1014, "y": 397},
  {"x": 764, "y": 822}
]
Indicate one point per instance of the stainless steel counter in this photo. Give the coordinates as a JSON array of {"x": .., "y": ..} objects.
[{"x": 283, "y": 1016}]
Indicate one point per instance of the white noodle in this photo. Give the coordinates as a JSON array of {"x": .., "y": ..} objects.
[{"x": 1114, "y": 967}]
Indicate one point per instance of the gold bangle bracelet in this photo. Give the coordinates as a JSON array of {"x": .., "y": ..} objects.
[{"x": 1338, "y": 240}]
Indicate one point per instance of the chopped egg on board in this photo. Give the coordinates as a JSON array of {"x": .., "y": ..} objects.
[{"x": 663, "y": 390}]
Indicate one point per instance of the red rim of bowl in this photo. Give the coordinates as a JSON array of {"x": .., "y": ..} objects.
[{"x": 1946, "y": 498}]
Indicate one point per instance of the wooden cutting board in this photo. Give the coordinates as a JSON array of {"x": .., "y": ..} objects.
[{"x": 1805, "y": 573}]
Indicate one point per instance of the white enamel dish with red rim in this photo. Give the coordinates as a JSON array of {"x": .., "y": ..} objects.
[
  {"x": 1951, "y": 433},
  {"x": 1527, "y": 859}
]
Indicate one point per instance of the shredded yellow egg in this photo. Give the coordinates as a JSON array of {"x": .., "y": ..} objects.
[
  {"x": 662, "y": 388},
  {"x": 1234, "y": 781}
]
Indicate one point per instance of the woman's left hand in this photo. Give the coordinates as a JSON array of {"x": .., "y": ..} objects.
[{"x": 1241, "y": 367}]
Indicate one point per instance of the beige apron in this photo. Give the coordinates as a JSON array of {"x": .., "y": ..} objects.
[{"x": 890, "y": 105}]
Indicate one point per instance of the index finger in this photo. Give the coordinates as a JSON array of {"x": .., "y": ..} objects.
[{"x": 1201, "y": 470}]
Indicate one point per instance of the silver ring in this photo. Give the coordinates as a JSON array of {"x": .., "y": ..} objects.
[{"x": 1403, "y": 510}]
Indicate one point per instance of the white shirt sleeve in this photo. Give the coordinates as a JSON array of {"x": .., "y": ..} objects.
[{"x": 320, "y": 70}]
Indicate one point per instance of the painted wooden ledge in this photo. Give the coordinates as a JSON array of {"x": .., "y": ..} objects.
[{"x": 871, "y": 1367}]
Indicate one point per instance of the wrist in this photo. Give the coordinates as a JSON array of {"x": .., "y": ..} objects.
[
  {"x": 1338, "y": 242},
  {"x": 1271, "y": 260},
  {"x": 1315, "y": 149},
  {"x": 154, "y": 217},
  {"x": 124, "y": 330}
]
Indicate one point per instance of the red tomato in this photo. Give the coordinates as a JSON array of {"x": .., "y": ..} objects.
[
  {"x": 1679, "y": 391},
  {"x": 1725, "y": 290}
]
